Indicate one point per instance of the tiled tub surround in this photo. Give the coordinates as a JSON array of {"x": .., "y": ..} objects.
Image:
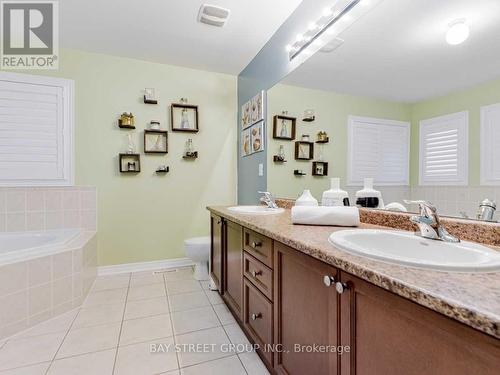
[
  {"x": 38, "y": 289},
  {"x": 34, "y": 209},
  {"x": 473, "y": 299}
]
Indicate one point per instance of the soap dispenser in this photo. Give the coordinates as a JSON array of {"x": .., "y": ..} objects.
[
  {"x": 368, "y": 196},
  {"x": 306, "y": 199},
  {"x": 335, "y": 196}
]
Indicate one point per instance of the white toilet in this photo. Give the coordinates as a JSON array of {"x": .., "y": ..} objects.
[{"x": 198, "y": 250}]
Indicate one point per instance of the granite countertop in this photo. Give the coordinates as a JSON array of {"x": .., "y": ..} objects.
[{"x": 470, "y": 298}]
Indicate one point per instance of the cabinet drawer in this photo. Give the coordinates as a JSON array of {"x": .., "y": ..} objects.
[
  {"x": 259, "y": 275},
  {"x": 258, "y": 318},
  {"x": 258, "y": 246}
]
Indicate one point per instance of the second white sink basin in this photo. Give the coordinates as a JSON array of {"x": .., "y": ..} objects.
[
  {"x": 406, "y": 248},
  {"x": 256, "y": 210}
]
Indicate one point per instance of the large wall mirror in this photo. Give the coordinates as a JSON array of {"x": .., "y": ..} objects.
[{"x": 396, "y": 99}]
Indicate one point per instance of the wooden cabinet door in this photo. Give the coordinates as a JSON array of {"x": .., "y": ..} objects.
[
  {"x": 216, "y": 229},
  {"x": 233, "y": 267},
  {"x": 390, "y": 335},
  {"x": 305, "y": 314}
]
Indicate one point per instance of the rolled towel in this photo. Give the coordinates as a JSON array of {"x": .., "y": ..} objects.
[{"x": 338, "y": 216}]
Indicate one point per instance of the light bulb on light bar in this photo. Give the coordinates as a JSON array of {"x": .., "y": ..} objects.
[
  {"x": 458, "y": 32},
  {"x": 327, "y": 12},
  {"x": 312, "y": 26}
]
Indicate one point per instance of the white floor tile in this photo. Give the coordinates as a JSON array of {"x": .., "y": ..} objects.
[
  {"x": 99, "y": 363},
  {"x": 215, "y": 336},
  {"x": 138, "y": 359},
  {"x": 146, "y": 292},
  {"x": 147, "y": 307},
  {"x": 60, "y": 323},
  {"x": 188, "y": 301},
  {"x": 205, "y": 284},
  {"x": 194, "y": 320},
  {"x": 111, "y": 282},
  {"x": 224, "y": 366},
  {"x": 106, "y": 297},
  {"x": 30, "y": 350},
  {"x": 237, "y": 337},
  {"x": 214, "y": 297},
  {"x": 253, "y": 364},
  {"x": 183, "y": 286},
  {"x": 145, "y": 329},
  {"x": 179, "y": 274},
  {"x": 39, "y": 369},
  {"x": 146, "y": 279},
  {"x": 224, "y": 314},
  {"x": 90, "y": 339},
  {"x": 92, "y": 316}
]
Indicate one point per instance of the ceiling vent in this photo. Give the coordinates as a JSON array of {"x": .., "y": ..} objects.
[
  {"x": 332, "y": 46},
  {"x": 213, "y": 15}
]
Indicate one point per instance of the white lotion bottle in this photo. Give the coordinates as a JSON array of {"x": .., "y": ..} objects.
[
  {"x": 306, "y": 199},
  {"x": 335, "y": 196}
]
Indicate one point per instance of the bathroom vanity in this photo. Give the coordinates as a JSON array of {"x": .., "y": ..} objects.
[{"x": 303, "y": 301}]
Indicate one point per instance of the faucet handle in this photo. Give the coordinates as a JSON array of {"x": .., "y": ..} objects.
[{"x": 424, "y": 205}]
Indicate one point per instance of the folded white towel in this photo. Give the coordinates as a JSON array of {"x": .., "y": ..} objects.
[{"x": 338, "y": 216}]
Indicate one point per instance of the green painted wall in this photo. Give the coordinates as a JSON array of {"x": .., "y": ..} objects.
[
  {"x": 331, "y": 110},
  {"x": 146, "y": 217},
  {"x": 468, "y": 100}
]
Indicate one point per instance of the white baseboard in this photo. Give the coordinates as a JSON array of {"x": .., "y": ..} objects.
[{"x": 144, "y": 266}]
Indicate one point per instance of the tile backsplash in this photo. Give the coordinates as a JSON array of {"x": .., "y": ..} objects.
[{"x": 34, "y": 209}]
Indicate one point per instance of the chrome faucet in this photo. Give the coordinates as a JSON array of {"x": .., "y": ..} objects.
[
  {"x": 429, "y": 224},
  {"x": 268, "y": 199}
]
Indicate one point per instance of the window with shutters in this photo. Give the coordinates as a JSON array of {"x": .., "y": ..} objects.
[
  {"x": 490, "y": 144},
  {"x": 36, "y": 130},
  {"x": 444, "y": 149},
  {"x": 378, "y": 149}
]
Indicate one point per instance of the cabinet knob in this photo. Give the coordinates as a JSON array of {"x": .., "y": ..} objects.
[
  {"x": 341, "y": 287},
  {"x": 256, "y": 244},
  {"x": 329, "y": 280},
  {"x": 256, "y": 316},
  {"x": 218, "y": 222},
  {"x": 256, "y": 273}
]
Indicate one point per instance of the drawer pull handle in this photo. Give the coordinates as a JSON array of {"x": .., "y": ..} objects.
[
  {"x": 256, "y": 244},
  {"x": 256, "y": 273},
  {"x": 256, "y": 316},
  {"x": 328, "y": 280},
  {"x": 341, "y": 287}
]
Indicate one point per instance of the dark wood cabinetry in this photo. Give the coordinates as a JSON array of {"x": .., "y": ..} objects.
[
  {"x": 216, "y": 226},
  {"x": 232, "y": 291},
  {"x": 390, "y": 335},
  {"x": 305, "y": 314},
  {"x": 302, "y": 312}
]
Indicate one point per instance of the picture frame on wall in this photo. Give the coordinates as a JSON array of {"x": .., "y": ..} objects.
[
  {"x": 252, "y": 111},
  {"x": 245, "y": 115},
  {"x": 245, "y": 143},
  {"x": 304, "y": 150},
  {"x": 155, "y": 141},
  {"x": 184, "y": 117},
  {"x": 319, "y": 168},
  {"x": 257, "y": 137},
  {"x": 284, "y": 127}
]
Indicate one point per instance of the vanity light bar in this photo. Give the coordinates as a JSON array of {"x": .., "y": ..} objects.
[
  {"x": 307, "y": 40},
  {"x": 332, "y": 23}
]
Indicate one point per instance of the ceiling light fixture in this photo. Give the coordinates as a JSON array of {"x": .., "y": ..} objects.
[
  {"x": 325, "y": 26},
  {"x": 458, "y": 32}
]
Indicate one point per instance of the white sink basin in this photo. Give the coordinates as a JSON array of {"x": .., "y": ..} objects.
[
  {"x": 411, "y": 250},
  {"x": 256, "y": 210}
]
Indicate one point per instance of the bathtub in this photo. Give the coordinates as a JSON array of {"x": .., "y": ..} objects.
[
  {"x": 43, "y": 274},
  {"x": 20, "y": 246}
]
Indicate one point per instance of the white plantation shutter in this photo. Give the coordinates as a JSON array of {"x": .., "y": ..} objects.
[
  {"x": 378, "y": 149},
  {"x": 490, "y": 145},
  {"x": 444, "y": 150},
  {"x": 36, "y": 130}
]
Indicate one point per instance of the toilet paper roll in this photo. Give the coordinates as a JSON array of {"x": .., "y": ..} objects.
[{"x": 338, "y": 216}]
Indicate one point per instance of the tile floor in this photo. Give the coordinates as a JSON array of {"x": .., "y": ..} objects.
[{"x": 122, "y": 318}]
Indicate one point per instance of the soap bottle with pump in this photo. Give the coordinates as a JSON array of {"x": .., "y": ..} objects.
[
  {"x": 335, "y": 196},
  {"x": 368, "y": 196}
]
